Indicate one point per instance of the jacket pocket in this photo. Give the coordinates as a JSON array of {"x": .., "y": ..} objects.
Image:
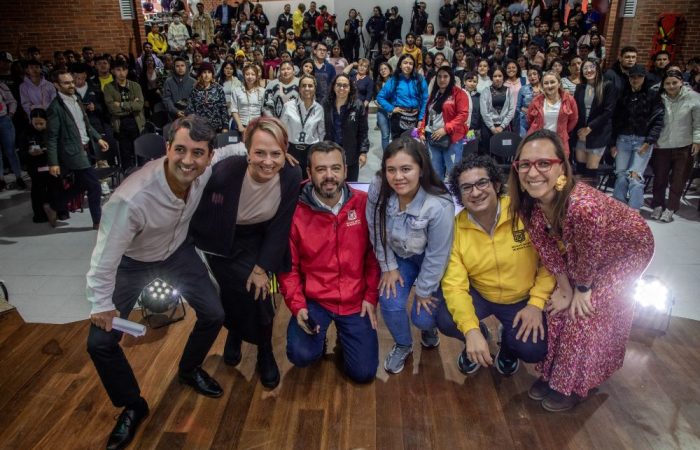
[{"x": 417, "y": 237}]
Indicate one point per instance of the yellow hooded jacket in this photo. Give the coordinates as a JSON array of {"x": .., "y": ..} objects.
[{"x": 504, "y": 269}]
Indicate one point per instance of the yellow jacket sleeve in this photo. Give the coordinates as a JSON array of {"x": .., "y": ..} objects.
[
  {"x": 455, "y": 288},
  {"x": 543, "y": 287}
]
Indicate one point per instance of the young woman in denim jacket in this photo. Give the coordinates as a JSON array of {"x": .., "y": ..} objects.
[
  {"x": 525, "y": 96},
  {"x": 411, "y": 218}
]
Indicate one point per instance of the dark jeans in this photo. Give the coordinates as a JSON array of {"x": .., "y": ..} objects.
[
  {"x": 128, "y": 132},
  {"x": 357, "y": 338},
  {"x": 183, "y": 269},
  {"x": 673, "y": 163},
  {"x": 529, "y": 351},
  {"x": 86, "y": 180},
  {"x": 45, "y": 189}
]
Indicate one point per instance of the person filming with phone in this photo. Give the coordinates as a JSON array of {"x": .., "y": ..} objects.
[{"x": 334, "y": 275}]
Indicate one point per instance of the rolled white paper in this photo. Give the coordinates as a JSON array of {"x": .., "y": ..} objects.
[{"x": 128, "y": 327}]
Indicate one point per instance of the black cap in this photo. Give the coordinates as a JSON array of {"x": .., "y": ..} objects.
[{"x": 637, "y": 70}]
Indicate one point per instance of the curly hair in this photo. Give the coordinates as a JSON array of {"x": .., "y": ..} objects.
[{"x": 474, "y": 161}]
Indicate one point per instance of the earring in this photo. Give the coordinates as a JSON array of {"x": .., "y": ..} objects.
[{"x": 560, "y": 183}]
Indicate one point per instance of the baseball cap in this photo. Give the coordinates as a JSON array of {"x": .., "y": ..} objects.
[
  {"x": 240, "y": 53},
  {"x": 398, "y": 42},
  {"x": 638, "y": 70},
  {"x": 290, "y": 30}
]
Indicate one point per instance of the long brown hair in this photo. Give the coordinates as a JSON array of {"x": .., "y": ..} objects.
[{"x": 521, "y": 204}]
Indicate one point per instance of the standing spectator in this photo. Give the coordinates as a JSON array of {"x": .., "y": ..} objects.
[
  {"x": 92, "y": 98},
  {"x": 284, "y": 20},
  {"x": 124, "y": 100},
  {"x": 383, "y": 120},
  {"x": 514, "y": 82},
  {"x": 304, "y": 120},
  {"x": 280, "y": 91},
  {"x": 352, "y": 30},
  {"x": 376, "y": 26},
  {"x": 482, "y": 71},
  {"x": 298, "y": 19},
  {"x": 272, "y": 63},
  {"x": 104, "y": 71},
  {"x": 473, "y": 121},
  {"x": 260, "y": 19},
  {"x": 394, "y": 23},
  {"x": 177, "y": 89},
  {"x": 596, "y": 248},
  {"x": 158, "y": 41},
  {"x": 596, "y": 102},
  {"x": 570, "y": 82},
  {"x": 441, "y": 46},
  {"x": 203, "y": 25},
  {"x": 250, "y": 242},
  {"x": 364, "y": 85},
  {"x": 337, "y": 59},
  {"x": 69, "y": 141},
  {"x": 446, "y": 14},
  {"x": 346, "y": 123},
  {"x": 412, "y": 49},
  {"x": 444, "y": 122},
  {"x": 225, "y": 14},
  {"x": 404, "y": 97},
  {"x": 661, "y": 61},
  {"x": 35, "y": 91},
  {"x": 497, "y": 108},
  {"x": 411, "y": 222},
  {"x": 323, "y": 71},
  {"x": 177, "y": 35},
  {"x": 383, "y": 57},
  {"x": 311, "y": 15},
  {"x": 555, "y": 111},
  {"x": 420, "y": 19},
  {"x": 637, "y": 124},
  {"x": 678, "y": 144},
  {"x": 322, "y": 19},
  {"x": 208, "y": 100},
  {"x": 147, "y": 54},
  {"x": 8, "y": 108},
  {"x": 248, "y": 100},
  {"x": 617, "y": 74}
]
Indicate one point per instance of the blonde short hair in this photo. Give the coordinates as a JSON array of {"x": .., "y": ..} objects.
[{"x": 270, "y": 125}]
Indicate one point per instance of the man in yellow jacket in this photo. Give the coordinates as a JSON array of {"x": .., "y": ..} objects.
[{"x": 493, "y": 270}]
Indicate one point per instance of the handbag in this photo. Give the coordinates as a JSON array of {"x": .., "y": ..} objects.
[
  {"x": 443, "y": 142},
  {"x": 403, "y": 121}
]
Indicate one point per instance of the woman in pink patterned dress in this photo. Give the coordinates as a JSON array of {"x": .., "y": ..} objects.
[{"x": 596, "y": 247}]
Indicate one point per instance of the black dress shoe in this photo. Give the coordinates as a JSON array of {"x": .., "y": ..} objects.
[
  {"x": 232, "y": 350},
  {"x": 267, "y": 367},
  {"x": 201, "y": 382},
  {"x": 127, "y": 424}
]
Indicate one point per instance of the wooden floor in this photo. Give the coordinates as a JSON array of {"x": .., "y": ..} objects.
[{"x": 51, "y": 397}]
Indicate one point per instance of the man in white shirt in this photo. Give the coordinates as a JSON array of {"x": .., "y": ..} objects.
[{"x": 143, "y": 236}]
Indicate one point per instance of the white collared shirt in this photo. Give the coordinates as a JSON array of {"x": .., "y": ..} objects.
[
  {"x": 77, "y": 113},
  {"x": 335, "y": 209},
  {"x": 143, "y": 220}
]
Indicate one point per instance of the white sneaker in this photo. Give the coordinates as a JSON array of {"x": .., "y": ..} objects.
[
  {"x": 667, "y": 216},
  {"x": 656, "y": 213},
  {"x": 105, "y": 188}
]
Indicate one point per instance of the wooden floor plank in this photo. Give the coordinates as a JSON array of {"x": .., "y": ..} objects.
[{"x": 50, "y": 393}]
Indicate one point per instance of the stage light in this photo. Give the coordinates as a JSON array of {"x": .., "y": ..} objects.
[
  {"x": 654, "y": 302},
  {"x": 161, "y": 304}
]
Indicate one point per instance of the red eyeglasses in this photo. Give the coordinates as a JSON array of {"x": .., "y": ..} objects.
[{"x": 541, "y": 165}]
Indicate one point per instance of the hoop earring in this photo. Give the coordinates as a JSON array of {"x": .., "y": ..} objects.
[{"x": 560, "y": 183}]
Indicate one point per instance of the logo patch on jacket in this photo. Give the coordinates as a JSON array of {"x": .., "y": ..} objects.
[
  {"x": 519, "y": 236},
  {"x": 521, "y": 240},
  {"x": 352, "y": 218}
]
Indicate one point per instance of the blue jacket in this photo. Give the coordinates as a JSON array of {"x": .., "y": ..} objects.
[
  {"x": 426, "y": 227},
  {"x": 409, "y": 94}
]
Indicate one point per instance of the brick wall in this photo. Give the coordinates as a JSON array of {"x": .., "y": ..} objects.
[
  {"x": 640, "y": 30},
  {"x": 67, "y": 24}
]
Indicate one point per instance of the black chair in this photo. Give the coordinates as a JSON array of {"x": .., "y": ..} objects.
[
  {"x": 113, "y": 158},
  {"x": 166, "y": 130},
  {"x": 694, "y": 173},
  {"x": 470, "y": 147},
  {"x": 228, "y": 138},
  {"x": 502, "y": 148},
  {"x": 160, "y": 118},
  {"x": 149, "y": 147},
  {"x": 606, "y": 172}
]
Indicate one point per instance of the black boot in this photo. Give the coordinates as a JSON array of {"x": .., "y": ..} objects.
[
  {"x": 232, "y": 349},
  {"x": 267, "y": 367}
]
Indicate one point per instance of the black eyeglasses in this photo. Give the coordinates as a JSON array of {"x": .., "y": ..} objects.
[{"x": 481, "y": 184}]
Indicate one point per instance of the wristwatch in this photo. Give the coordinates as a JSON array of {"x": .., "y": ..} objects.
[{"x": 582, "y": 288}]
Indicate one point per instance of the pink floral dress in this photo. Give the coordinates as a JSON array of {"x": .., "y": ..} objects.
[{"x": 605, "y": 244}]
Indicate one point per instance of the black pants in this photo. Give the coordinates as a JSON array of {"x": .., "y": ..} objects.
[
  {"x": 246, "y": 318},
  {"x": 86, "y": 180},
  {"x": 184, "y": 270},
  {"x": 352, "y": 49},
  {"x": 300, "y": 152},
  {"x": 674, "y": 165},
  {"x": 128, "y": 132},
  {"x": 45, "y": 189},
  {"x": 353, "y": 171}
]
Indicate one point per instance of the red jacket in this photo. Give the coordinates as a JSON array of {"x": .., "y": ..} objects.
[
  {"x": 332, "y": 258},
  {"x": 566, "y": 122},
  {"x": 455, "y": 111}
]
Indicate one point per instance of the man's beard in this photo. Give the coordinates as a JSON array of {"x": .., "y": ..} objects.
[{"x": 326, "y": 194}]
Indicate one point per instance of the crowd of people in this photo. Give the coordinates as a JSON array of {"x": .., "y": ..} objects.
[{"x": 553, "y": 259}]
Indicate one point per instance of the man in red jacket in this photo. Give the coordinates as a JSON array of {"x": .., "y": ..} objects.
[{"x": 334, "y": 274}]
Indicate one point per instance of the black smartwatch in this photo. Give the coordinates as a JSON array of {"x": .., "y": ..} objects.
[{"x": 582, "y": 288}]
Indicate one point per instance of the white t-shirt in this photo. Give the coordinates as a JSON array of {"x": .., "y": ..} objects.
[{"x": 551, "y": 115}]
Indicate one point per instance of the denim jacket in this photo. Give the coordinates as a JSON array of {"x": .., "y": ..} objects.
[
  {"x": 525, "y": 96},
  {"x": 425, "y": 227}
]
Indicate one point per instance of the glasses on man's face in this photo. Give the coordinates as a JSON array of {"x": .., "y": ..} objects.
[
  {"x": 541, "y": 165},
  {"x": 481, "y": 184}
]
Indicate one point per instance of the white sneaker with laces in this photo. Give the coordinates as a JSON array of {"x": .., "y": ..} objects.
[
  {"x": 656, "y": 213},
  {"x": 667, "y": 216}
]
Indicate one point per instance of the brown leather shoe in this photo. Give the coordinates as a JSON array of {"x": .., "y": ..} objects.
[{"x": 539, "y": 390}]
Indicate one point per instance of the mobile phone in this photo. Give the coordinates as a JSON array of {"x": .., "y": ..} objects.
[{"x": 311, "y": 324}]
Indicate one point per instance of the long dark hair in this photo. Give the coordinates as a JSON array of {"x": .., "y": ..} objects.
[
  {"x": 521, "y": 204},
  {"x": 222, "y": 75},
  {"x": 429, "y": 180},
  {"x": 435, "y": 96},
  {"x": 598, "y": 82},
  {"x": 415, "y": 76},
  {"x": 352, "y": 95}
]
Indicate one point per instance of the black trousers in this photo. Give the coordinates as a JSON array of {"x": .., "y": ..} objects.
[
  {"x": 300, "y": 152},
  {"x": 353, "y": 171},
  {"x": 128, "y": 132},
  {"x": 86, "y": 180},
  {"x": 45, "y": 189},
  {"x": 246, "y": 318},
  {"x": 184, "y": 270}
]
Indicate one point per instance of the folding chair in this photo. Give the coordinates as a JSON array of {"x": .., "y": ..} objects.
[{"x": 502, "y": 148}]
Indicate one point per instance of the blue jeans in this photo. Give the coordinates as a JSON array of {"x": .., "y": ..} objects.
[
  {"x": 384, "y": 127},
  {"x": 628, "y": 160},
  {"x": 7, "y": 142},
  {"x": 511, "y": 347},
  {"x": 394, "y": 308},
  {"x": 443, "y": 159},
  {"x": 357, "y": 338}
]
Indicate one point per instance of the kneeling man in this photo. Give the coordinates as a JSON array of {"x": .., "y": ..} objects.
[
  {"x": 493, "y": 270},
  {"x": 334, "y": 274}
]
